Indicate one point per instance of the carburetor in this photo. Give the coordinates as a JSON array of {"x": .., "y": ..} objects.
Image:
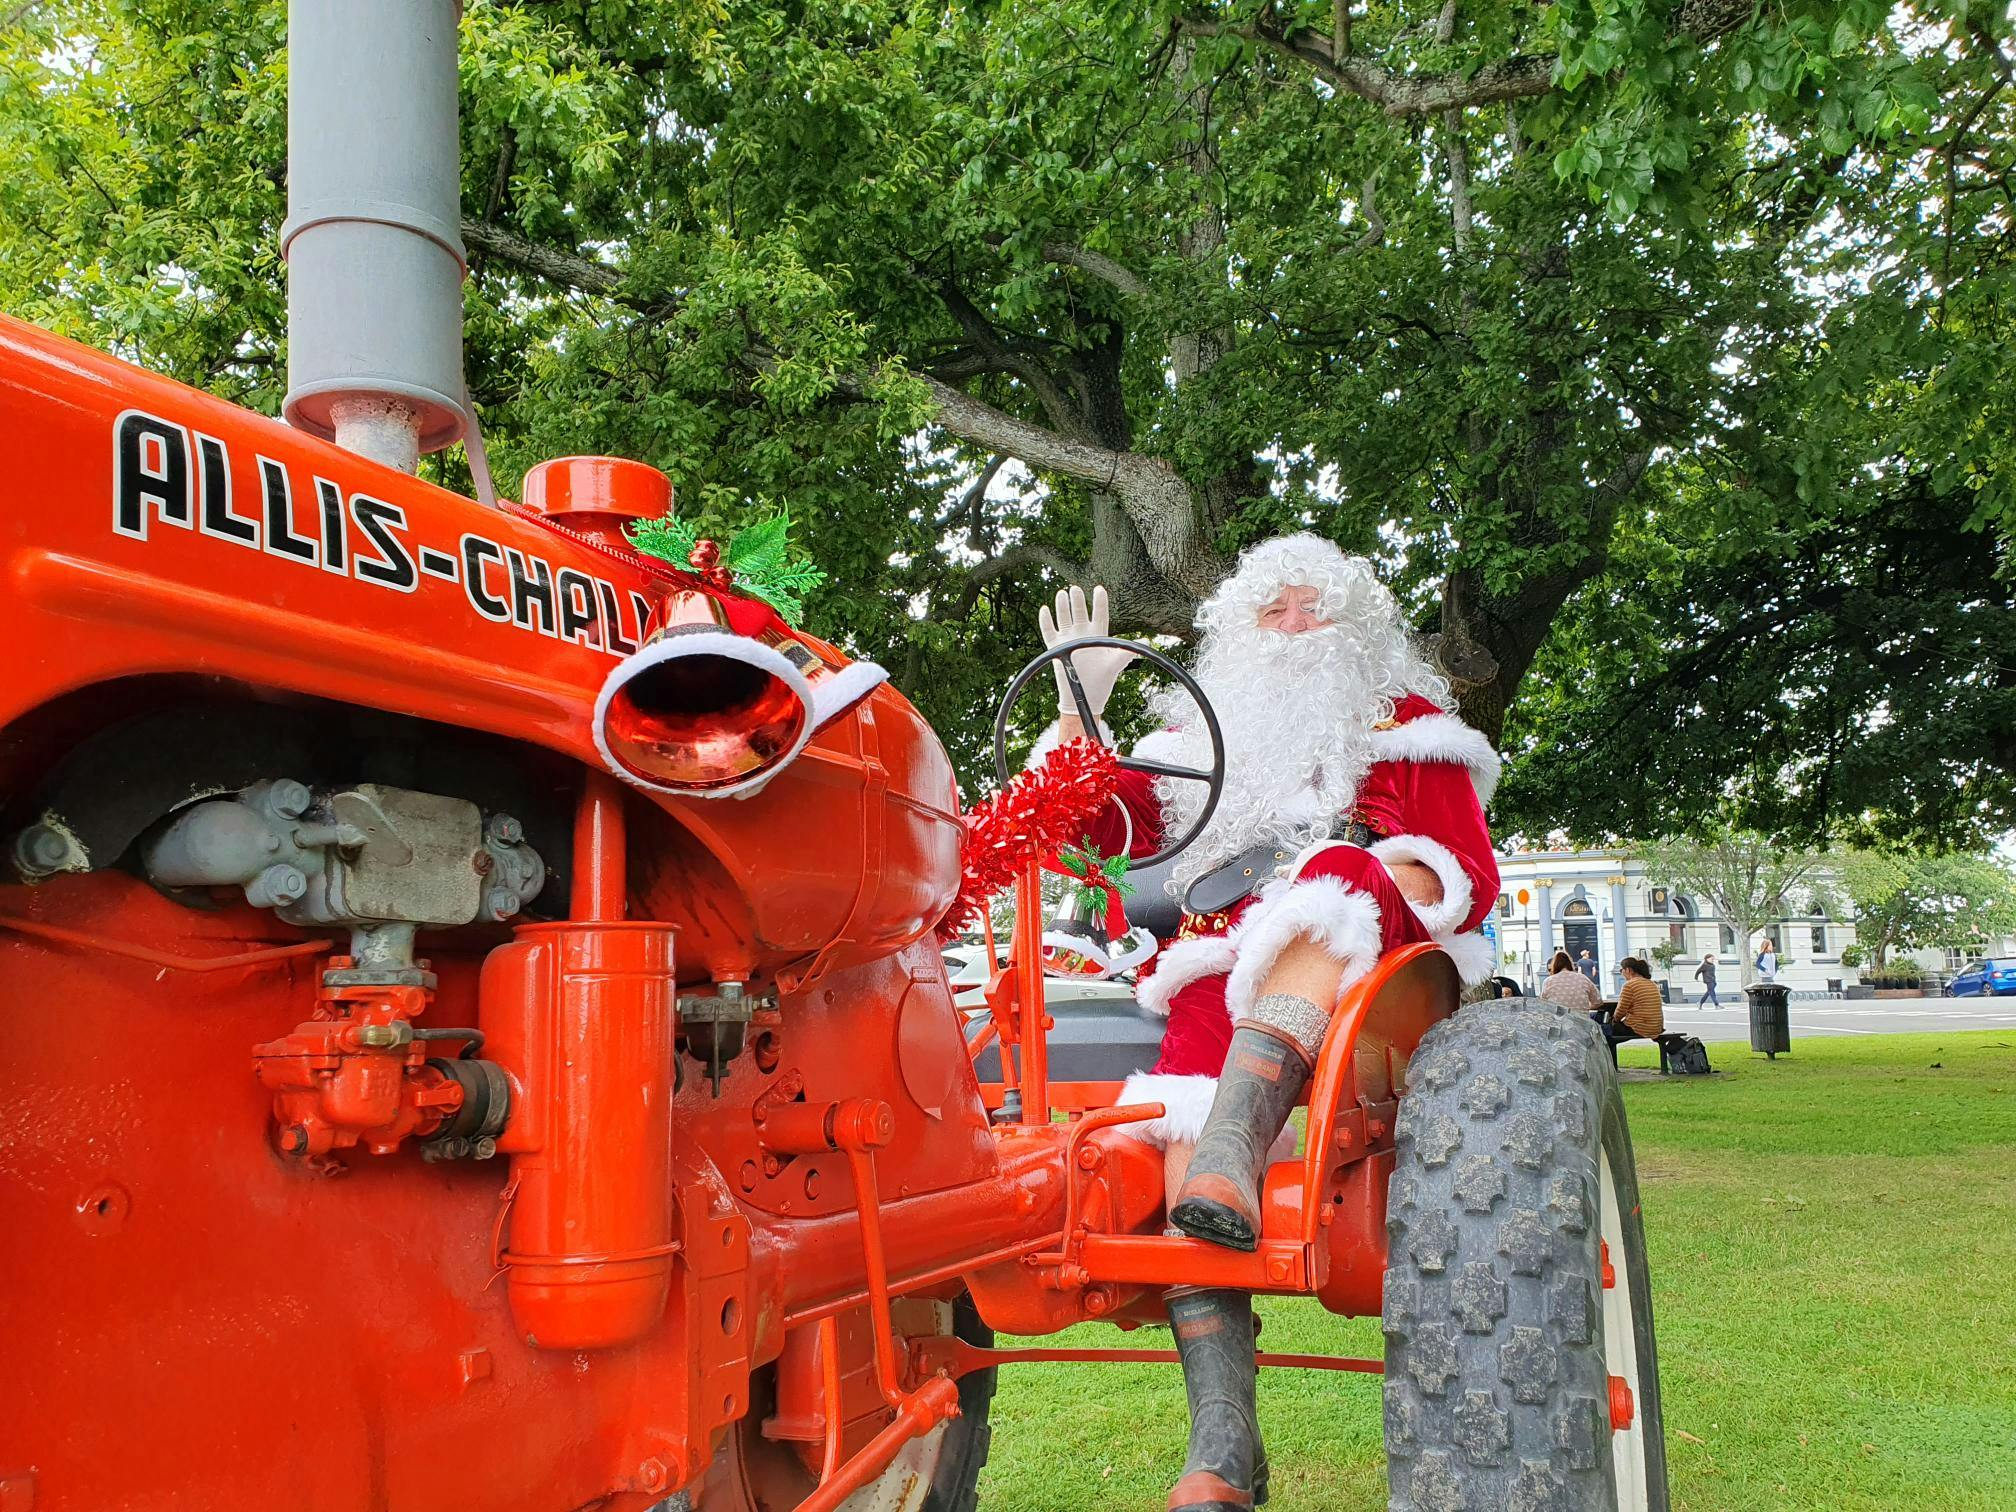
[{"x": 383, "y": 862}]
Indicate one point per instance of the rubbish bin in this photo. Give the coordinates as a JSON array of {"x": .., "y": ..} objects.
[{"x": 1770, "y": 1018}]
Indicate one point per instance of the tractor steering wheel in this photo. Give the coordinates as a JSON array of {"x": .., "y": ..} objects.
[{"x": 1213, "y": 778}]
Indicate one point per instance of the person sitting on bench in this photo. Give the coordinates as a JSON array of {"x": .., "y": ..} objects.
[{"x": 1640, "y": 1013}]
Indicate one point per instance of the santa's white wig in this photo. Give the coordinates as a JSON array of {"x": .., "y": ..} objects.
[{"x": 1297, "y": 710}]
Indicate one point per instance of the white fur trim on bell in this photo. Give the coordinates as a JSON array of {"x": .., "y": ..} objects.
[
  {"x": 1475, "y": 959},
  {"x": 1438, "y": 858},
  {"x": 1340, "y": 919},
  {"x": 1186, "y": 1101},
  {"x": 1181, "y": 964},
  {"x": 835, "y": 695},
  {"x": 719, "y": 643},
  {"x": 1442, "y": 737}
]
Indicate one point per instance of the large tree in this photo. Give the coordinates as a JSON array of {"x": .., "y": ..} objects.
[
  {"x": 1813, "y": 620},
  {"x": 1749, "y": 880},
  {"x": 1001, "y": 295},
  {"x": 1916, "y": 901}
]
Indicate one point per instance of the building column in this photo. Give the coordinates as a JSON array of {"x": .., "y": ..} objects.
[
  {"x": 1620, "y": 932},
  {"x": 1543, "y": 890}
]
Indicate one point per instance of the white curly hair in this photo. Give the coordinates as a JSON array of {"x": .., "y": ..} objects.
[{"x": 1297, "y": 710}]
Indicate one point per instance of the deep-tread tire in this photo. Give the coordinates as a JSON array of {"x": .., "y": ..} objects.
[
  {"x": 1497, "y": 1388},
  {"x": 955, "y": 1482},
  {"x": 955, "y": 1486}
]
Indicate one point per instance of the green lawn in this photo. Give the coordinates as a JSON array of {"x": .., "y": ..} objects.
[{"x": 1833, "y": 1242}]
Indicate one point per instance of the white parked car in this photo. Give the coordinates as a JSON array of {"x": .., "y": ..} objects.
[{"x": 967, "y": 970}]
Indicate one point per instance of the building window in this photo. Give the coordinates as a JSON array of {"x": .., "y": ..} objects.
[
  {"x": 1677, "y": 933},
  {"x": 1684, "y": 906},
  {"x": 1819, "y": 939},
  {"x": 1728, "y": 938}
]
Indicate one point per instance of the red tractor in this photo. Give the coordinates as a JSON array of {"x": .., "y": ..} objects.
[{"x": 399, "y": 1111}]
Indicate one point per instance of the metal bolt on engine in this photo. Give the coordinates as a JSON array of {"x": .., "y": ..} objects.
[{"x": 42, "y": 850}]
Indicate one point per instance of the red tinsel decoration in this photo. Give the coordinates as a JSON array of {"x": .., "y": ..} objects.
[{"x": 1045, "y": 807}]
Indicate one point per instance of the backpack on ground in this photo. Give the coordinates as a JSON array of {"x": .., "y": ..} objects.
[{"x": 1687, "y": 1056}]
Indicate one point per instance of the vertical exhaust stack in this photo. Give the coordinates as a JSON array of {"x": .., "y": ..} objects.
[{"x": 373, "y": 247}]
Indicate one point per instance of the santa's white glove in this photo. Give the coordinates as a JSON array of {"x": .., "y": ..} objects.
[{"x": 1098, "y": 667}]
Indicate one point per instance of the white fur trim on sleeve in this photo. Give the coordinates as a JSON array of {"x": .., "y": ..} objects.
[
  {"x": 1159, "y": 745},
  {"x": 1181, "y": 964},
  {"x": 1340, "y": 919},
  {"x": 1438, "y": 858},
  {"x": 1475, "y": 959},
  {"x": 1186, "y": 1101},
  {"x": 1052, "y": 737},
  {"x": 1442, "y": 737}
]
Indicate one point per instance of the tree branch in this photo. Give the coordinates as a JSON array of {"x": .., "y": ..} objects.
[
  {"x": 1155, "y": 498},
  {"x": 500, "y": 181},
  {"x": 969, "y": 501},
  {"x": 1521, "y": 76},
  {"x": 978, "y": 421},
  {"x": 1099, "y": 265},
  {"x": 981, "y": 332},
  {"x": 1014, "y": 559},
  {"x": 1375, "y": 223},
  {"x": 569, "y": 269}
]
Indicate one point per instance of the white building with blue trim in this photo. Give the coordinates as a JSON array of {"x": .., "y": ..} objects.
[{"x": 1603, "y": 902}]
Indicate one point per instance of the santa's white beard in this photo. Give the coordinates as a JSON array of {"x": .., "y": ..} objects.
[{"x": 1297, "y": 713}]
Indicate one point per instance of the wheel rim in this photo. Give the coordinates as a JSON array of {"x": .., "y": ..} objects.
[
  {"x": 759, "y": 1474},
  {"x": 1620, "y": 1350}
]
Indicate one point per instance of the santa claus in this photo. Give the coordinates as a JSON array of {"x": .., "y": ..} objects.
[{"x": 1351, "y": 822}]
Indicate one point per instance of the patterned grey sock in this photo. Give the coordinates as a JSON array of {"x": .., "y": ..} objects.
[{"x": 1296, "y": 1017}]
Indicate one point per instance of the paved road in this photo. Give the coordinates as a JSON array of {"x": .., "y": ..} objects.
[{"x": 1888, "y": 1016}]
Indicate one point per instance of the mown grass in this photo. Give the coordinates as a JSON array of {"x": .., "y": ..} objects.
[{"x": 1833, "y": 1240}]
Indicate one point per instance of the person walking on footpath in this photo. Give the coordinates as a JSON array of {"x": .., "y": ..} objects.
[
  {"x": 1588, "y": 967},
  {"x": 1640, "y": 1013},
  {"x": 1705, "y": 975},
  {"x": 1567, "y": 986},
  {"x": 1767, "y": 961}
]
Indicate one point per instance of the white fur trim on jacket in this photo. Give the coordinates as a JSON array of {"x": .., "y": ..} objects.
[
  {"x": 1442, "y": 737},
  {"x": 1472, "y": 953},
  {"x": 1438, "y": 858},
  {"x": 1186, "y": 1101},
  {"x": 1340, "y": 919},
  {"x": 1181, "y": 964}
]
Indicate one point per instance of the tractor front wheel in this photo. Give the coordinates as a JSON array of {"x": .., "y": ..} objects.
[
  {"x": 939, "y": 1472},
  {"x": 1520, "y": 1366}
]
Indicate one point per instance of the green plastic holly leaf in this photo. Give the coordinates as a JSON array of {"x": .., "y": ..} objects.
[{"x": 759, "y": 559}]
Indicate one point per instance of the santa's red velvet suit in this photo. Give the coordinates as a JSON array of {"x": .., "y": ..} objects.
[{"x": 1422, "y": 800}]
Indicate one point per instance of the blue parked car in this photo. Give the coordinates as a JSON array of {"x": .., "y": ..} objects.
[{"x": 1993, "y": 978}]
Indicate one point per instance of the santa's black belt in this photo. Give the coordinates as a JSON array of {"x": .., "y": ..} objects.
[{"x": 1222, "y": 887}]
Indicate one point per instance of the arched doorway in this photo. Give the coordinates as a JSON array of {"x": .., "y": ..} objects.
[{"x": 1579, "y": 931}]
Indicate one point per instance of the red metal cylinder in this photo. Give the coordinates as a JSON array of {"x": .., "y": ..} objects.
[
  {"x": 600, "y": 849},
  {"x": 581, "y": 1015}
]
